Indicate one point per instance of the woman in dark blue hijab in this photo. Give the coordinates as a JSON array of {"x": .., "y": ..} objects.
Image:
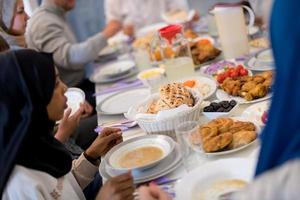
[
  {"x": 281, "y": 137},
  {"x": 27, "y": 82},
  {"x": 278, "y": 168}
]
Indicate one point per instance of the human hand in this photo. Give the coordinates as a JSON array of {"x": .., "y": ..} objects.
[
  {"x": 106, "y": 140},
  {"x": 152, "y": 192},
  {"x": 68, "y": 124},
  {"x": 118, "y": 188},
  {"x": 112, "y": 28},
  {"x": 87, "y": 109},
  {"x": 196, "y": 16},
  {"x": 129, "y": 30}
]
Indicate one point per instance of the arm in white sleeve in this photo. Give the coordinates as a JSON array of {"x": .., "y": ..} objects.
[
  {"x": 176, "y": 5},
  {"x": 281, "y": 183},
  {"x": 113, "y": 10}
]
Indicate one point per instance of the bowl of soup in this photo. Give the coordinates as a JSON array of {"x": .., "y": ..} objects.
[{"x": 140, "y": 153}]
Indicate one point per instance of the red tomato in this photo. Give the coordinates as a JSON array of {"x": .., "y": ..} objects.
[
  {"x": 220, "y": 78},
  {"x": 244, "y": 72},
  {"x": 239, "y": 67},
  {"x": 227, "y": 74},
  {"x": 234, "y": 74}
]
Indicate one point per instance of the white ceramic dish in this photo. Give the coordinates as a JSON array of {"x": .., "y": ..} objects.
[
  {"x": 209, "y": 84},
  {"x": 203, "y": 69},
  {"x": 98, "y": 78},
  {"x": 116, "y": 69},
  {"x": 255, "y": 112},
  {"x": 161, "y": 169},
  {"x": 214, "y": 115},
  {"x": 164, "y": 143},
  {"x": 75, "y": 97},
  {"x": 107, "y": 51},
  {"x": 222, "y": 95},
  {"x": 261, "y": 61},
  {"x": 202, "y": 178},
  {"x": 152, "y": 81},
  {"x": 198, "y": 148},
  {"x": 171, "y": 18},
  {"x": 120, "y": 103}
]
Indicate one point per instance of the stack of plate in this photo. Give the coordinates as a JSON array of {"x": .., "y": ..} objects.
[
  {"x": 261, "y": 61},
  {"x": 169, "y": 160},
  {"x": 114, "y": 71}
]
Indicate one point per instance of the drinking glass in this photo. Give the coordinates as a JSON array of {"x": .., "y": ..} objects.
[{"x": 183, "y": 135}]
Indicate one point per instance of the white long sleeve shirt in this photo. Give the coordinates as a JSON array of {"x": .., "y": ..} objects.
[
  {"x": 29, "y": 184},
  {"x": 141, "y": 12}
]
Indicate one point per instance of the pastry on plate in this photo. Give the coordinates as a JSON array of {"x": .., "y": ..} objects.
[{"x": 223, "y": 134}]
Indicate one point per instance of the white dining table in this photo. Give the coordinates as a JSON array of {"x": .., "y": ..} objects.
[{"x": 251, "y": 152}]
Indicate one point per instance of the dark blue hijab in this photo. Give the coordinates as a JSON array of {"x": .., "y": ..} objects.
[
  {"x": 281, "y": 136},
  {"x": 27, "y": 82}
]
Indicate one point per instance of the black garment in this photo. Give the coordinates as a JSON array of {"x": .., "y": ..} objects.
[
  {"x": 89, "y": 89},
  {"x": 27, "y": 82}
]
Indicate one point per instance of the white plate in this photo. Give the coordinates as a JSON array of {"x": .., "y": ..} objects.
[
  {"x": 200, "y": 179},
  {"x": 204, "y": 80},
  {"x": 261, "y": 61},
  {"x": 153, "y": 28},
  {"x": 198, "y": 149},
  {"x": 168, "y": 19},
  {"x": 254, "y": 112},
  {"x": 98, "y": 78},
  {"x": 121, "y": 102},
  {"x": 203, "y": 69},
  {"x": 75, "y": 97},
  {"x": 165, "y": 143},
  {"x": 108, "y": 50},
  {"x": 159, "y": 170},
  {"x": 115, "y": 69},
  {"x": 222, "y": 95}
]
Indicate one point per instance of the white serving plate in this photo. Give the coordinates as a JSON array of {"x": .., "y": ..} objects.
[
  {"x": 115, "y": 69},
  {"x": 261, "y": 61},
  {"x": 165, "y": 143},
  {"x": 120, "y": 103},
  {"x": 200, "y": 179},
  {"x": 255, "y": 111},
  {"x": 222, "y": 95},
  {"x": 202, "y": 69},
  {"x": 198, "y": 148},
  {"x": 210, "y": 82},
  {"x": 75, "y": 97},
  {"x": 159, "y": 170}
]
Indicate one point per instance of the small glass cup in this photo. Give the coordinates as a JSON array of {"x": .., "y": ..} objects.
[{"x": 183, "y": 135}]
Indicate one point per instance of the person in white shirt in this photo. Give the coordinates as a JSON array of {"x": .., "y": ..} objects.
[
  {"x": 134, "y": 14},
  {"x": 35, "y": 165}
]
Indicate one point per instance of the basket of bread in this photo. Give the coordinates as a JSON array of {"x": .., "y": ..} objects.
[{"x": 162, "y": 111}]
